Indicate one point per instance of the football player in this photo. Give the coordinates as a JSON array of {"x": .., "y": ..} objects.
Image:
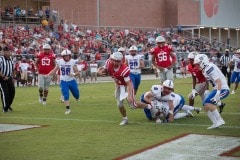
[
  {"x": 159, "y": 93},
  {"x": 68, "y": 71},
  {"x": 45, "y": 62},
  {"x": 135, "y": 63},
  {"x": 235, "y": 77},
  {"x": 220, "y": 89},
  {"x": 120, "y": 73},
  {"x": 163, "y": 58}
]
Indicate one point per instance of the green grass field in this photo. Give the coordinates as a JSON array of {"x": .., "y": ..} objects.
[{"x": 91, "y": 131}]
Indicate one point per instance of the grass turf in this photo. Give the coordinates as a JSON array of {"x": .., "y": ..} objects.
[{"x": 91, "y": 130}]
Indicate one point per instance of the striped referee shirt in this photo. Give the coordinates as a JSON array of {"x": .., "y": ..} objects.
[
  {"x": 225, "y": 60},
  {"x": 6, "y": 66}
]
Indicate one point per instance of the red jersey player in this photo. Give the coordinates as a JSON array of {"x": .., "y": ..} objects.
[
  {"x": 199, "y": 84},
  {"x": 45, "y": 62},
  {"x": 163, "y": 58},
  {"x": 124, "y": 88}
]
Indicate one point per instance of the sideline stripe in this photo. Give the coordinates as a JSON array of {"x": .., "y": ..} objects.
[{"x": 107, "y": 121}]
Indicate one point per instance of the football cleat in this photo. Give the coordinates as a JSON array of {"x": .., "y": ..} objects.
[
  {"x": 189, "y": 113},
  {"x": 217, "y": 125},
  {"x": 67, "y": 111},
  {"x": 221, "y": 107},
  {"x": 124, "y": 122},
  {"x": 212, "y": 126},
  {"x": 233, "y": 92},
  {"x": 197, "y": 109},
  {"x": 40, "y": 100},
  {"x": 44, "y": 103}
]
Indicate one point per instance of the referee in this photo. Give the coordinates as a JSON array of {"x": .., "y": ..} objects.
[
  {"x": 7, "y": 87},
  {"x": 224, "y": 60}
]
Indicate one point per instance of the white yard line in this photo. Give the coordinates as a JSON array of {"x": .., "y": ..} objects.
[{"x": 108, "y": 121}]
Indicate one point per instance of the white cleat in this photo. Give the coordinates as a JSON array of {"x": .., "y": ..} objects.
[
  {"x": 217, "y": 125},
  {"x": 190, "y": 114},
  {"x": 212, "y": 126},
  {"x": 67, "y": 111},
  {"x": 221, "y": 122},
  {"x": 124, "y": 122},
  {"x": 40, "y": 100},
  {"x": 233, "y": 92},
  {"x": 44, "y": 103}
]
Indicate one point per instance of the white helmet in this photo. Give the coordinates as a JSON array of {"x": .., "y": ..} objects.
[
  {"x": 201, "y": 59},
  {"x": 168, "y": 83},
  {"x": 192, "y": 55},
  {"x": 121, "y": 49},
  {"x": 117, "y": 56},
  {"x": 66, "y": 52},
  {"x": 238, "y": 51},
  {"x": 160, "y": 39},
  {"x": 46, "y": 46},
  {"x": 133, "y": 48}
]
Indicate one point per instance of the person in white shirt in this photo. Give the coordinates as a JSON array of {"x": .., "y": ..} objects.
[
  {"x": 235, "y": 77},
  {"x": 93, "y": 70},
  {"x": 135, "y": 63},
  {"x": 68, "y": 71},
  {"x": 220, "y": 89},
  {"x": 24, "y": 71}
]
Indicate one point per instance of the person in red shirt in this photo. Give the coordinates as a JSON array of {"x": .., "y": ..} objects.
[
  {"x": 45, "y": 62},
  {"x": 183, "y": 68},
  {"x": 199, "y": 83},
  {"x": 163, "y": 58},
  {"x": 84, "y": 66},
  {"x": 120, "y": 73}
]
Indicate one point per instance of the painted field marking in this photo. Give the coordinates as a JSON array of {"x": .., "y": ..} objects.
[
  {"x": 188, "y": 147},
  {"x": 109, "y": 121},
  {"x": 15, "y": 127}
]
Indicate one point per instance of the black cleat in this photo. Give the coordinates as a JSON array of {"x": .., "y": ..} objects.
[
  {"x": 221, "y": 107},
  {"x": 10, "y": 109}
]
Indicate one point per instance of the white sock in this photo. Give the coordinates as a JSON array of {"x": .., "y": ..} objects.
[
  {"x": 180, "y": 115},
  {"x": 125, "y": 117},
  {"x": 217, "y": 115},
  {"x": 212, "y": 117}
]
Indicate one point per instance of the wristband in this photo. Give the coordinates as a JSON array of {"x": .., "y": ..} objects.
[
  {"x": 74, "y": 73},
  {"x": 170, "y": 112}
]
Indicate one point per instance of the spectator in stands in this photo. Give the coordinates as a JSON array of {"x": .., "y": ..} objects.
[
  {"x": 40, "y": 13},
  {"x": 44, "y": 23},
  {"x": 30, "y": 11},
  {"x": 93, "y": 70},
  {"x": 183, "y": 68},
  {"x": 84, "y": 67},
  {"x": 47, "y": 13}
]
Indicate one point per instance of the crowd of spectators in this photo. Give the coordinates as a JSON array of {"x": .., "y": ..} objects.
[
  {"x": 83, "y": 41},
  {"x": 17, "y": 13}
]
